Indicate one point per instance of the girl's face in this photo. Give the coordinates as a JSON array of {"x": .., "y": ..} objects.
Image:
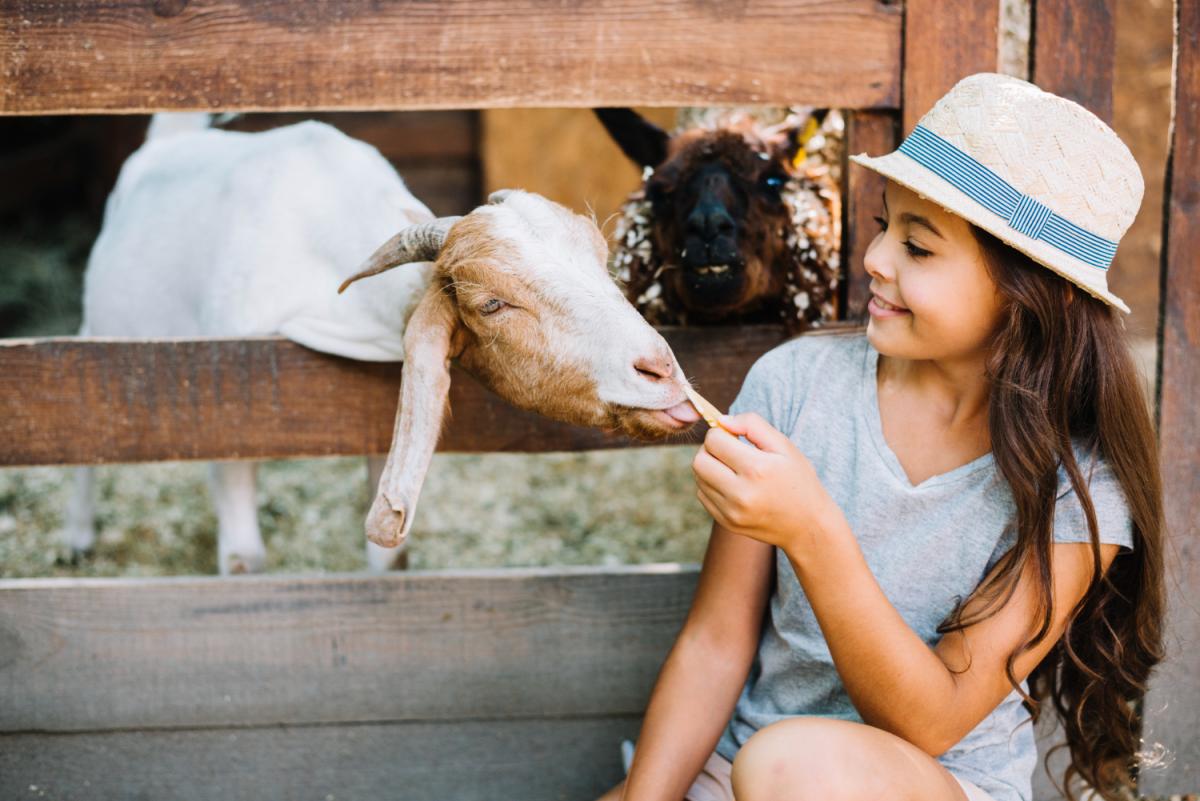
[{"x": 926, "y": 261}]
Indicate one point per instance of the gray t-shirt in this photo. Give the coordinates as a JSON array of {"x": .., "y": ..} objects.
[{"x": 926, "y": 546}]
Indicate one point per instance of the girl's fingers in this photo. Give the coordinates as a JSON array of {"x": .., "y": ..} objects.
[
  {"x": 713, "y": 509},
  {"x": 754, "y": 428},
  {"x": 730, "y": 450},
  {"x": 711, "y": 471}
]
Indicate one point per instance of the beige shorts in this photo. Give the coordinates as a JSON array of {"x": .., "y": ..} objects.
[{"x": 713, "y": 783}]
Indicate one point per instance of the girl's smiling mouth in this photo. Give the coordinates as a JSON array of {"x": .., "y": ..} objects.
[{"x": 878, "y": 307}]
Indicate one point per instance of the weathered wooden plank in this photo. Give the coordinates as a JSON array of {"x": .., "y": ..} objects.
[
  {"x": 68, "y": 400},
  {"x": 1172, "y": 706},
  {"x": 130, "y": 55},
  {"x": 873, "y": 133},
  {"x": 1073, "y": 46},
  {"x": 533, "y": 760},
  {"x": 943, "y": 46},
  {"x": 105, "y": 654}
]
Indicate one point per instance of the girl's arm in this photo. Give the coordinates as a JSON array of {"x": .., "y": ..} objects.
[
  {"x": 703, "y": 675},
  {"x": 931, "y": 697}
]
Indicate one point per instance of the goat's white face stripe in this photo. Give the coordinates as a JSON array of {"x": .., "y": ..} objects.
[{"x": 591, "y": 323}]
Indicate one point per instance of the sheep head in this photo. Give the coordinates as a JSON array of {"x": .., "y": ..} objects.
[
  {"x": 738, "y": 227},
  {"x": 522, "y": 299}
]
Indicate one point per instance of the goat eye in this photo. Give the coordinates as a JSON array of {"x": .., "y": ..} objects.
[{"x": 492, "y": 306}]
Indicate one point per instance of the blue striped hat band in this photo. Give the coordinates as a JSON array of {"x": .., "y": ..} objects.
[{"x": 1023, "y": 213}]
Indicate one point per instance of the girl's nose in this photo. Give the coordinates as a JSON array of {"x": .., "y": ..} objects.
[{"x": 877, "y": 261}]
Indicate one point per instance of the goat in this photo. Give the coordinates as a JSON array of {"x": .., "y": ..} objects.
[
  {"x": 735, "y": 221},
  {"x": 217, "y": 233},
  {"x": 521, "y": 297}
]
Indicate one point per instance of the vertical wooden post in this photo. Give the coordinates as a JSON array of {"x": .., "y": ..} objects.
[
  {"x": 1073, "y": 49},
  {"x": 873, "y": 133},
  {"x": 944, "y": 43},
  {"x": 1172, "y": 706}
]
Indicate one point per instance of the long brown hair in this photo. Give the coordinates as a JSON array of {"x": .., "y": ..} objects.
[{"x": 1061, "y": 372}]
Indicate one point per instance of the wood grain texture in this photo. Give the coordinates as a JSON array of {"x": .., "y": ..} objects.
[
  {"x": 130, "y": 55},
  {"x": 534, "y": 760},
  {"x": 1073, "y": 51},
  {"x": 76, "y": 401},
  {"x": 1172, "y": 706},
  {"x": 108, "y": 654},
  {"x": 942, "y": 45},
  {"x": 872, "y": 133}
]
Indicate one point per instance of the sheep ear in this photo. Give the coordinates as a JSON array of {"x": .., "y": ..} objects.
[
  {"x": 432, "y": 338},
  {"x": 797, "y": 129},
  {"x": 641, "y": 140},
  {"x": 416, "y": 243}
]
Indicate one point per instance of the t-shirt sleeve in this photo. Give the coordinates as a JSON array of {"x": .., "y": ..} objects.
[{"x": 1112, "y": 512}]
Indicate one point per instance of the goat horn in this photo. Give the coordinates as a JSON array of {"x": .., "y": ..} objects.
[{"x": 416, "y": 243}]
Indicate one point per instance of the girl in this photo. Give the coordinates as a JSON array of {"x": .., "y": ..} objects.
[{"x": 928, "y": 527}]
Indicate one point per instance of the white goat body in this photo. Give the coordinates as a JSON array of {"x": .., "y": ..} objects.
[
  {"x": 219, "y": 233},
  {"x": 213, "y": 233}
]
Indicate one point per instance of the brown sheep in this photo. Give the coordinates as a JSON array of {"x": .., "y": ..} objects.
[{"x": 736, "y": 222}]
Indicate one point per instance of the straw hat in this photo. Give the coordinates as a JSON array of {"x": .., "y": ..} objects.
[{"x": 1038, "y": 171}]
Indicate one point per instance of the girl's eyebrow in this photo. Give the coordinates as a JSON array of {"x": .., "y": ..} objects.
[
  {"x": 917, "y": 219},
  {"x": 914, "y": 219}
]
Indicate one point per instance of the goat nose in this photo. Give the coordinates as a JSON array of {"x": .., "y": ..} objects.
[{"x": 657, "y": 367}]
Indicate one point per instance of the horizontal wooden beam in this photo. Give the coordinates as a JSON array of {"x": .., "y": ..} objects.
[
  {"x": 138, "y": 56},
  {"x": 81, "y": 401},
  {"x": 107, "y": 654},
  {"x": 530, "y": 760}
]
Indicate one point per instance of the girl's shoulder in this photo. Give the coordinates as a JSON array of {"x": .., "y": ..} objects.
[
  {"x": 779, "y": 382},
  {"x": 814, "y": 350}
]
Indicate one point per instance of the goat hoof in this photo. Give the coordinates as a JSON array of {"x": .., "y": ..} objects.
[
  {"x": 76, "y": 557},
  {"x": 237, "y": 564}
]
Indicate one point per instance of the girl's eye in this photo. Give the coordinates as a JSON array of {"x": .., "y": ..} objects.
[
  {"x": 773, "y": 181},
  {"x": 913, "y": 251},
  {"x": 492, "y": 306}
]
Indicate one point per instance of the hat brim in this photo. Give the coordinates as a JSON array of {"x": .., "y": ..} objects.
[{"x": 928, "y": 184}]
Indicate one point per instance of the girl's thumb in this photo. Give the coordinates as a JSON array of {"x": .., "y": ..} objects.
[{"x": 761, "y": 434}]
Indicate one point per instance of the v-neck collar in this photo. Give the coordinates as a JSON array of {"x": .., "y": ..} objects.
[{"x": 870, "y": 407}]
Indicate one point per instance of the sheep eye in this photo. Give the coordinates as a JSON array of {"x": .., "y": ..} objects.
[{"x": 492, "y": 306}]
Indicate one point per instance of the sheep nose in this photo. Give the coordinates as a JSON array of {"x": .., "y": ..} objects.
[
  {"x": 708, "y": 221},
  {"x": 658, "y": 367}
]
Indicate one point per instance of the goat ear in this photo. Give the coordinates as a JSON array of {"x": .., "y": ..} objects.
[
  {"x": 432, "y": 337},
  {"x": 641, "y": 140},
  {"x": 420, "y": 242}
]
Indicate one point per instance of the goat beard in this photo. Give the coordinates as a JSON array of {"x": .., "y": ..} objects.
[{"x": 809, "y": 261}]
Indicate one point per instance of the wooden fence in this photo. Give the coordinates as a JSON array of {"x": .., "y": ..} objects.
[{"x": 510, "y": 683}]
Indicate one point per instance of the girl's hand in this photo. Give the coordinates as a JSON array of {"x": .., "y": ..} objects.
[{"x": 770, "y": 493}]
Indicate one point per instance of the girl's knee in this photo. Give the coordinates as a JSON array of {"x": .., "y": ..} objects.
[{"x": 804, "y": 759}]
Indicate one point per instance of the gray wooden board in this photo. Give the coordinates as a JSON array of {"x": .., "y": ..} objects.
[
  {"x": 525, "y": 760},
  {"x": 134, "y": 653}
]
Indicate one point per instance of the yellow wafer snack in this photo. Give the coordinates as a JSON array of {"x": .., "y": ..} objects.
[{"x": 709, "y": 412}]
